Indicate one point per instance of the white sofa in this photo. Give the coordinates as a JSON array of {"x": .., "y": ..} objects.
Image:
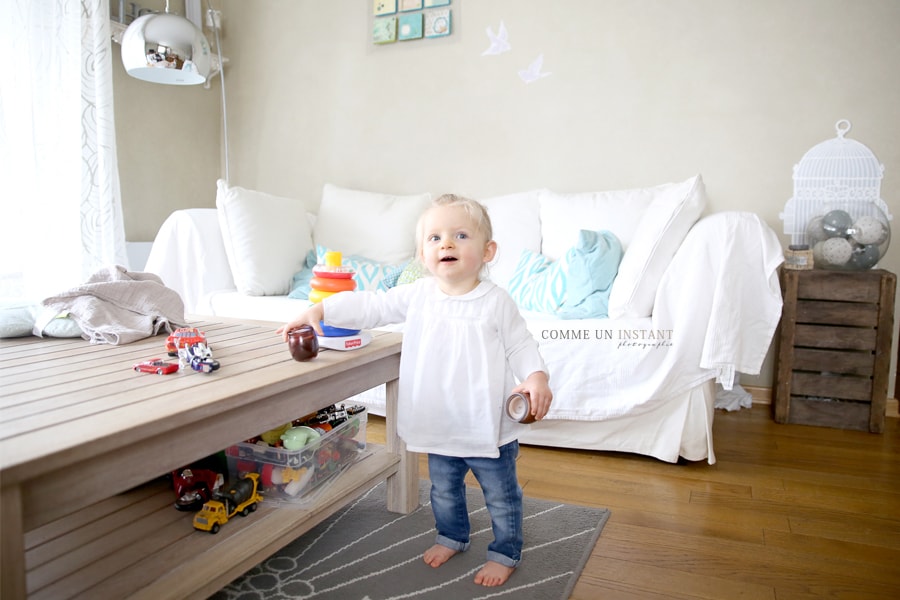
[{"x": 694, "y": 301}]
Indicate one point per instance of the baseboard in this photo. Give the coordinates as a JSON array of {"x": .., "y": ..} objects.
[
  {"x": 759, "y": 395},
  {"x": 763, "y": 395}
]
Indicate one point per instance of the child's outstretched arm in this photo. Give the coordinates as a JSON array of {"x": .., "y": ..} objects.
[
  {"x": 311, "y": 316},
  {"x": 537, "y": 385}
]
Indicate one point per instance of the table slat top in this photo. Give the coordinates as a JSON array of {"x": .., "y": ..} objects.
[{"x": 58, "y": 394}]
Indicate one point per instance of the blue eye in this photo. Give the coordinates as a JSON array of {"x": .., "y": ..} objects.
[
  {"x": 462, "y": 236},
  {"x": 433, "y": 238}
]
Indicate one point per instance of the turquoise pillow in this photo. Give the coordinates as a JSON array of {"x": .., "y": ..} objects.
[
  {"x": 538, "y": 283},
  {"x": 593, "y": 266},
  {"x": 300, "y": 282},
  {"x": 370, "y": 275},
  {"x": 577, "y": 285}
]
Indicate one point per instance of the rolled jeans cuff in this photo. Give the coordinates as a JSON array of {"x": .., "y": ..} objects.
[
  {"x": 452, "y": 544},
  {"x": 502, "y": 559}
]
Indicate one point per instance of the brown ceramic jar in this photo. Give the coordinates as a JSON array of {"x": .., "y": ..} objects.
[{"x": 303, "y": 343}]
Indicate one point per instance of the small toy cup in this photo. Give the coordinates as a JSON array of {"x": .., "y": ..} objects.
[
  {"x": 518, "y": 408},
  {"x": 303, "y": 343}
]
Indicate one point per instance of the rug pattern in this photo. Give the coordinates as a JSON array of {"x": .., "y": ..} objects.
[{"x": 364, "y": 552}]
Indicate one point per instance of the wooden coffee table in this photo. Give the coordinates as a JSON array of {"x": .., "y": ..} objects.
[{"x": 82, "y": 434}]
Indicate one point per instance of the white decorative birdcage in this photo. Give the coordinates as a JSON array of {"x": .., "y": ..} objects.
[{"x": 837, "y": 208}]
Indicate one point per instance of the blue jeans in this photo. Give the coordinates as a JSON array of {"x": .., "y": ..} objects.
[{"x": 502, "y": 496}]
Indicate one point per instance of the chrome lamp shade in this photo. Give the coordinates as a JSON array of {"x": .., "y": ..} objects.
[{"x": 165, "y": 48}]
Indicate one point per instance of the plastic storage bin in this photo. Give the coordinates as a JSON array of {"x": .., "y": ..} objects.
[{"x": 298, "y": 476}]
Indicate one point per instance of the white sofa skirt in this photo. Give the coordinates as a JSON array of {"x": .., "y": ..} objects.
[{"x": 680, "y": 427}]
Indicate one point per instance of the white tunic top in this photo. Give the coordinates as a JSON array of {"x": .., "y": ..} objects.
[{"x": 461, "y": 357}]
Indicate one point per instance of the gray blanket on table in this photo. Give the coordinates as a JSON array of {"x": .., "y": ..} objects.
[{"x": 117, "y": 306}]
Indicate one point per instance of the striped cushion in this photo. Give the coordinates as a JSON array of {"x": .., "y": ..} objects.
[{"x": 539, "y": 283}]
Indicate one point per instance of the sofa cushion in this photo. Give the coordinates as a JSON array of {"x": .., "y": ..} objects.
[
  {"x": 20, "y": 320},
  {"x": 266, "y": 238},
  {"x": 16, "y": 321},
  {"x": 660, "y": 232},
  {"x": 412, "y": 272},
  {"x": 517, "y": 226},
  {"x": 380, "y": 227},
  {"x": 562, "y": 216},
  {"x": 539, "y": 282},
  {"x": 593, "y": 264},
  {"x": 577, "y": 285}
]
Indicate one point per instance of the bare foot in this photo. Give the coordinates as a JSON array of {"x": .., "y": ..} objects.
[
  {"x": 438, "y": 555},
  {"x": 493, "y": 574}
]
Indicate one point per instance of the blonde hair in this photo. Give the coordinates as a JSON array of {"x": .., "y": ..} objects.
[{"x": 474, "y": 209}]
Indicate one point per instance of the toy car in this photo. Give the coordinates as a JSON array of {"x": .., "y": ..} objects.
[
  {"x": 199, "y": 356},
  {"x": 184, "y": 337},
  {"x": 193, "y": 487},
  {"x": 156, "y": 365}
]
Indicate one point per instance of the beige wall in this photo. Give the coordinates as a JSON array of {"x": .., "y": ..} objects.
[
  {"x": 641, "y": 92},
  {"x": 167, "y": 141}
]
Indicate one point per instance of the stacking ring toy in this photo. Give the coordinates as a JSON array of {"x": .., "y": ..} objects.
[
  {"x": 333, "y": 272},
  {"x": 330, "y": 331},
  {"x": 331, "y": 278},
  {"x": 333, "y": 285}
]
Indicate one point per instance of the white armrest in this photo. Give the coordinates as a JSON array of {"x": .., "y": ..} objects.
[
  {"x": 189, "y": 256},
  {"x": 722, "y": 287}
]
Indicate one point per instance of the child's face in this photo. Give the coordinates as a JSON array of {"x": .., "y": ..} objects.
[{"x": 453, "y": 249}]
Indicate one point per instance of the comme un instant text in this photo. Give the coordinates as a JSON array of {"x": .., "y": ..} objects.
[{"x": 642, "y": 335}]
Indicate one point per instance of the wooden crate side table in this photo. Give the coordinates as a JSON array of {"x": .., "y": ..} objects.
[{"x": 835, "y": 348}]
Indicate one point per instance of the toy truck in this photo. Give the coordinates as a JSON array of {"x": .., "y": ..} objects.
[{"x": 241, "y": 497}]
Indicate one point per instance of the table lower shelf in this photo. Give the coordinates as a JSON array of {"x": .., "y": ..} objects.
[{"x": 136, "y": 545}]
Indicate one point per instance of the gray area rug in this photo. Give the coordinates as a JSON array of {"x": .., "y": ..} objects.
[{"x": 364, "y": 552}]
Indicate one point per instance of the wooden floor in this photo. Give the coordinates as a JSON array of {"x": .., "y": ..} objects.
[{"x": 788, "y": 512}]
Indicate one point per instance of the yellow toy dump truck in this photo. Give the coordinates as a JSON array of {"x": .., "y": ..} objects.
[{"x": 241, "y": 497}]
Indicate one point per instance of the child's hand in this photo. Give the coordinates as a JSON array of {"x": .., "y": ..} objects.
[
  {"x": 311, "y": 316},
  {"x": 537, "y": 387}
]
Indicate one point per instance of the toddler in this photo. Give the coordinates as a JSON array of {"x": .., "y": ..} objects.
[{"x": 464, "y": 346}]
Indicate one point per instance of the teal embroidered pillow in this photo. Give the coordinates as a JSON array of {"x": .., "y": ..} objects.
[{"x": 538, "y": 283}]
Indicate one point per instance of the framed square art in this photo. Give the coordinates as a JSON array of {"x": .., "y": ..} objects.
[
  {"x": 410, "y": 20},
  {"x": 408, "y": 5},
  {"x": 409, "y": 27},
  {"x": 384, "y": 30},
  {"x": 437, "y": 23},
  {"x": 384, "y": 7}
]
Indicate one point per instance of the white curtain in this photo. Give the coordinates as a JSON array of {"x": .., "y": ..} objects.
[{"x": 62, "y": 210}]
